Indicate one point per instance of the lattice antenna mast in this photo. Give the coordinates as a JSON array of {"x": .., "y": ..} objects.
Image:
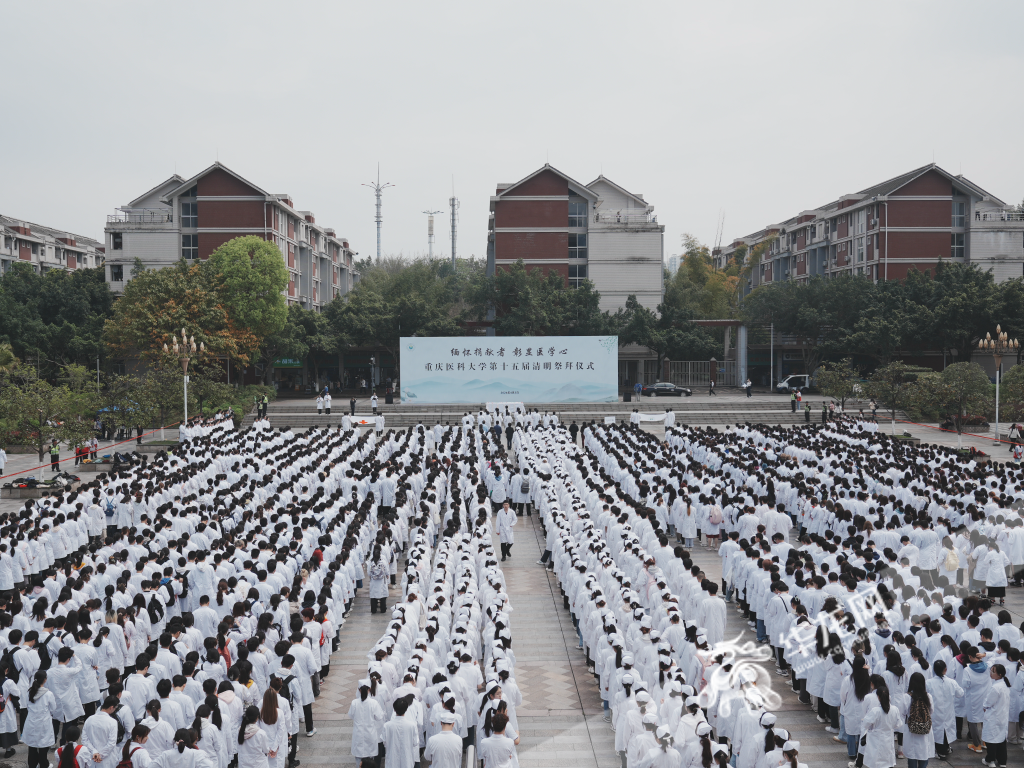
[
  {"x": 378, "y": 188},
  {"x": 430, "y": 233},
  {"x": 453, "y": 203}
]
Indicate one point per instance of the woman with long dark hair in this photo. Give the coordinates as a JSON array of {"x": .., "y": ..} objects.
[
  {"x": 272, "y": 723},
  {"x": 880, "y": 725},
  {"x": 851, "y": 703},
  {"x": 209, "y": 738},
  {"x": 253, "y": 745},
  {"x": 367, "y": 723},
  {"x": 943, "y": 690},
  {"x": 918, "y": 744},
  {"x": 135, "y": 748},
  {"x": 38, "y": 732},
  {"x": 996, "y": 716}
]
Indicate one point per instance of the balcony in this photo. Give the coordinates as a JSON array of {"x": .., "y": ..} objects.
[
  {"x": 629, "y": 217},
  {"x": 140, "y": 217},
  {"x": 998, "y": 217}
]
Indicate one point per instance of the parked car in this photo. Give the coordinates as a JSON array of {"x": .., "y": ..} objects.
[
  {"x": 799, "y": 381},
  {"x": 665, "y": 389}
]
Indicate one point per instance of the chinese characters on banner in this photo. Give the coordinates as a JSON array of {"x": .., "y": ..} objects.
[{"x": 529, "y": 369}]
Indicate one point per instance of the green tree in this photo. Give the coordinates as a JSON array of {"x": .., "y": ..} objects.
[
  {"x": 836, "y": 380},
  {"x": 157, "y": 304},
  {"x": 290, "y": 340},
  {"x": 126, "y": 403},
  {"x": 893, "y": 386},
  {"x": 962, "y": 389},
  {"x": 671, "y": 338},
  {"x": 250, "y": 277}
]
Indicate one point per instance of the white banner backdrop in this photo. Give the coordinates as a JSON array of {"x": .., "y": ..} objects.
[{"x": 527, "y": 369}]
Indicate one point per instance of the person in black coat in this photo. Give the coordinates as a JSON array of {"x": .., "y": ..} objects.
[
  {"x": 573, "y": 430},
  {"x": 508, "y": 435}
]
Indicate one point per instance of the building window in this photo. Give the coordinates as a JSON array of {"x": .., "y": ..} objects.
[
  {"x": 957, "y": 245},
  {"x": 116, "y": 241},
  {"x": 577, "y": 274},
  {"x": 116, "y": 273},
  {"x": 959, "y": 213},
  {"x": 8, "y": 242},
  {"x": 860, "y": 249},
  {"x": 190, "y": 246},
  {"x": 577, "y": 213},
  {"x": 35, "y": 249},
  {"x": 577, "y": 246},
  {"x": 189, "y": 215}
]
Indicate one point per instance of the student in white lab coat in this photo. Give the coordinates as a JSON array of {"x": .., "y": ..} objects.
[
  {"x": 43, "y": 709},
  {"x": 9, "y": 717},
  {"x": 100, "y": 735},
  {"x": 183, "y": 753},
  {"x": 444, "y": 749},
  {"x": 505, "y": 521},
  {"x": 272, "y": 722},
  {"x": 880, "y": 725},
  {"x": 943, "y": 689},
  {"x": 135, "y": 748},
  {"x": 401, "y": 737},
  {"x": 73, "y": 755},
  {"x": 209, "y": 736},
  {"x": 918, "y": 748},
  {"x": 996, "y": 717},
  {"x": 254, "y": 747},
  {"x": 367, "y": 724}
]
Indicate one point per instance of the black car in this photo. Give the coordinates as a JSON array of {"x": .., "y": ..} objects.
[{"x": 665, "y": 388}]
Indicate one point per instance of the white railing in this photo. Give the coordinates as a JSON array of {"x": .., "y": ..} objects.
[
  {"x": 999, "y": 215},
  {"x": 141, "y": 216},
  {"x": 625, "y": 217},
  {"x": 697, "y": 373}
]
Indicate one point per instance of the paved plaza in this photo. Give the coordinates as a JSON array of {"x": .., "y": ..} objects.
[{"x": 561, "y": 715}]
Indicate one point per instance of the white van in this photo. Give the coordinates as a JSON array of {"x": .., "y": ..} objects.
[{"x": 799, "y": 381}]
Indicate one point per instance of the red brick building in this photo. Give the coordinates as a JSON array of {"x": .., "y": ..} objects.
[
  {"x": 597, "y": 231},
  {"x": 189, "y": 218},
  {"x": 908, "y": 222}
]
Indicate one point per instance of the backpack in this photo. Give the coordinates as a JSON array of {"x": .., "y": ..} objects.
[
  {"x": 919, "y": 719},
  {"x": 156, "y": 611},
  {"x": 109, "y": 510},
  {"x": 120, "y": 724},
  {"x": 128, "y": 763},
  {"x": 952, "y": 562},
  {"x": 525, "y": 487},
  {"x": 286, "y": 691},
  {"x": 8, "y": 668},
  {"x": 45, "y": 659},
  {"x": 715, "y": 518}
]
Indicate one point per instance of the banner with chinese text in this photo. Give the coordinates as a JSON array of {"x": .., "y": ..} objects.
[{"x": 528, "y": 369}]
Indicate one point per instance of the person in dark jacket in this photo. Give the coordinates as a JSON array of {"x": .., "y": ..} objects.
[
  {"x": 574, "y": 430},
  {"x": 508, "y": 435}
]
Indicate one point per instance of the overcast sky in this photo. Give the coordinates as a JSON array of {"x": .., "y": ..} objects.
[{"x": 753, "y": 110}]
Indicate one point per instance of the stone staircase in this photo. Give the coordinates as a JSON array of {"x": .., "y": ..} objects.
[{"x": 299, "y": 415}]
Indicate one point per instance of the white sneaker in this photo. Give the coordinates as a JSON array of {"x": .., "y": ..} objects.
[
  {"x": 311, "y": 733},
  {"x": 821, "y": 719},
  {"x": 830, "y": 729}
]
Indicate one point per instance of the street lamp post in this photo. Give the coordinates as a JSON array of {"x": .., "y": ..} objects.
[
  {"x": 997, "y": 347},
  {"x": 185, "y": 353}
]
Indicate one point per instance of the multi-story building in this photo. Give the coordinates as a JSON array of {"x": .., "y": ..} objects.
[
  {"x": 598, "y": 231},
  {"x": 882, "y": 232},
  {"x": 672, "y": 266},
  {"x": 189, "y": 218},
  {"x": 45, "y": 248}
]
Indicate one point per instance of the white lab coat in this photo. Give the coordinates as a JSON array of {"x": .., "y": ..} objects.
[
  {"x": 367, "y": 726},
  {"x": 506, "y": 520},
  {"x": 277, "y": 739},
  {"x": 943, "y": 691},
  {"x": 189, "y": 758},
  {"x": 42, "y": 712},
  {"x": 919, "y": 746},
  {"x": 976, "y": 686},
  {"x": 252, "y": 753},
  {"x": 997, "y": 713},
  {"x": 99, "y": 734},
  {"x": 880, "y": 728},
  {"x": 401, "y": 742}
]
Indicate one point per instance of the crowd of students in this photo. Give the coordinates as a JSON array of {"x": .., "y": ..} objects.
[
  {"x": 184, "y": 610},
  {"x": 870, "y": 615}
]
